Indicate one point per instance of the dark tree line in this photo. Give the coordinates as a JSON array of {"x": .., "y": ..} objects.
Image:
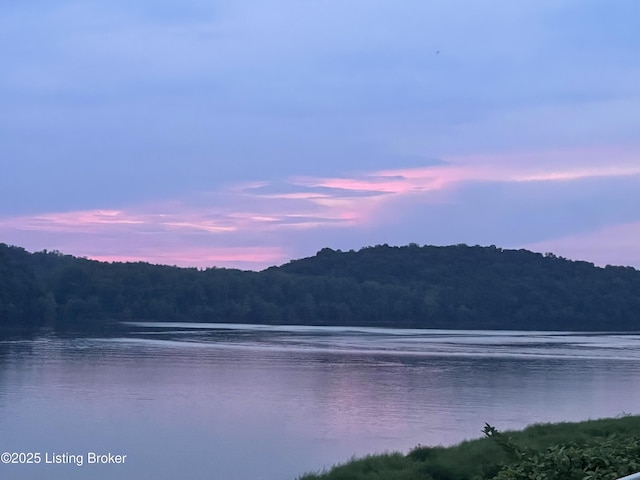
[{"x": 412, "y": 286}]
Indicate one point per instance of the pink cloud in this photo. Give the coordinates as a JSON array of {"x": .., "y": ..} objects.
[
  {"x": 295, "y": 196},
  {"x": 246, "y": 214},
  {"x": 579, "y": 173},
  {"x": 82, "y": 220},
  {"x": 102, "y": 220},
  {"x": 366, "y": 184},
  {"x": 527, "y": 167},
  {"x": 522, "y": 167},
  {"x": 252, "y": 258}
]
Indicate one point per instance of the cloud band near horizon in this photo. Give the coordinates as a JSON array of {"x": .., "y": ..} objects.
[{"x": 253, "y": 225}]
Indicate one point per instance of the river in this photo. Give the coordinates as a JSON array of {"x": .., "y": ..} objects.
[{"x": 248, "y": 402}]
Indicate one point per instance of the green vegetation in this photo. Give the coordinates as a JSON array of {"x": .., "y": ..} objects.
[
  {"x": 604, "y": 449},
  {"x": 457, "y": 287},
  {"x": 22, "y": 299}
]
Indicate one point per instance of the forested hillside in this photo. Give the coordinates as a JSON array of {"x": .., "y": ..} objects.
[{"x": 412, "y": 286}]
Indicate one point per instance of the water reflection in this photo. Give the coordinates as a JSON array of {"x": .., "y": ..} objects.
[
  {"x": 271, "y": 402},
  {"x": 390, "y": 341}
]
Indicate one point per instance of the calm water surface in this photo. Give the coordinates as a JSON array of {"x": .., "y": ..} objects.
[{"x": 226, "y": 402}]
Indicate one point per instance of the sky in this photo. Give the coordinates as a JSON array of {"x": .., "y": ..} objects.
[{"x": 247, "y": 133}]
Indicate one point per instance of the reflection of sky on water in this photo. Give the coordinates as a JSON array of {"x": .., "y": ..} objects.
[
  {"x": 393, "y": 341},
  {"x": 276, "y": 402}
]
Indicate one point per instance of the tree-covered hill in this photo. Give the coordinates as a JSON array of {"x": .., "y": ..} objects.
[
  {"x": 412, "y": 286},
  {"x": 22, "y": 300}
]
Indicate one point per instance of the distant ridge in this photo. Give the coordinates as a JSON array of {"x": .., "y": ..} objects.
[{"x": 457, "y": 287}]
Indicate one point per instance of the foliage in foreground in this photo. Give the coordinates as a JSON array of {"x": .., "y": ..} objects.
[
  {"x": 606, "y": 458},
  {"x": 604, "y": 449}
]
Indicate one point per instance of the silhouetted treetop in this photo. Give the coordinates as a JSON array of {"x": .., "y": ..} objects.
[{"x": 411, "y": 286}]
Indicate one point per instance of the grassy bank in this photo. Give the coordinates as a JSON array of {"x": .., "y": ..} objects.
[{"x": 594, "y": 449}]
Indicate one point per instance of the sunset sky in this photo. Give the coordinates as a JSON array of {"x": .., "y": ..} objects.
[{"x": 246, "y": 133}]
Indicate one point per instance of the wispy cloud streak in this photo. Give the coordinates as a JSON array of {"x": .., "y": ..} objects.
[{"x": 259, "y": 218}]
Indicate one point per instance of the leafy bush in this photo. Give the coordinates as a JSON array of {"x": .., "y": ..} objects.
[{"x": 606, "y": 458}]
